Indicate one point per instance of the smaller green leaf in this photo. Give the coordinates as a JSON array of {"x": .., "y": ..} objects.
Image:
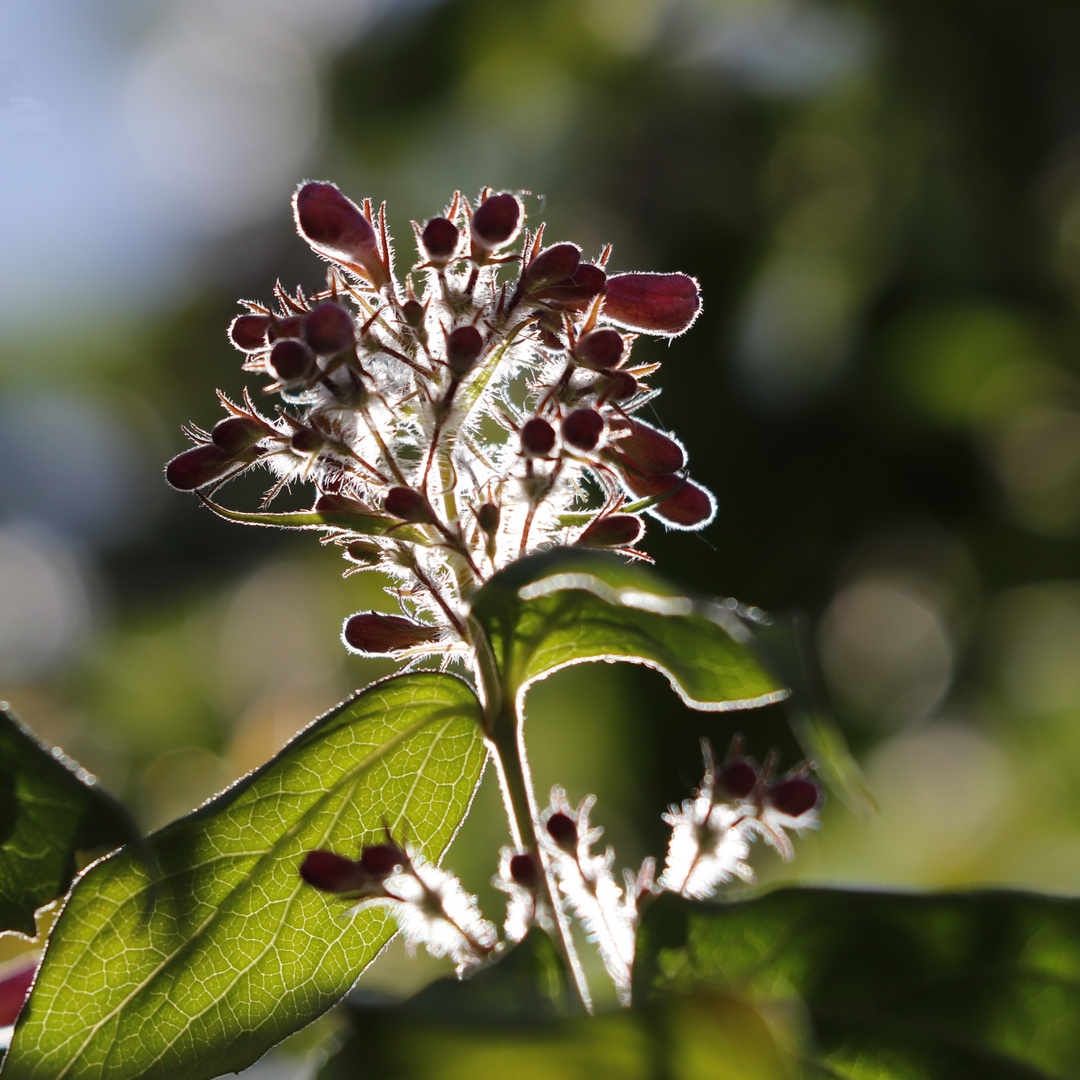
[
  {"x": 567, "y": 606},
  {"x": 50, "y": 808},
  {"x": 896, "y": 987},
  {"x": 201, "y": 970}
]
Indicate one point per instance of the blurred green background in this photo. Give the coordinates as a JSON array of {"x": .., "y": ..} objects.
[{"x": 881, "y": 200}]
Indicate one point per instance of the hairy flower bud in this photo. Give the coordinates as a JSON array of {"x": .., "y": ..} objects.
[
  {"x": 613, "y": 531},
  {"x": 463, "y": 348},
  {"x": 440, "y": 239},
  {"x": 333, "y": 503},
  {"x": 738, "y": 779},
  {"x": 615, "y": 386},
  {"x": 307, "y": 441},
  {"x": 524, "y": 871},
  {"x": 412, "y": 311},
  {"x": 202, "y": 465},
  {"x": 337, "y": 229},
  {"x": 650, "y": 451},
  {"x": 487, "y": 517},
  {"x": 601, "y": 350},
  {"x": 237, "y": 433},
  {"x": 292, "y": 361},
  {"x": 577, "y": 292},
  {"x": 248, "y": 332},
  {"x": 329, "y": 329},
  {"x": 363, "y": 552},
  {"x": 333, "y": 873},
  {"x": 537, "y": 437},
  {"x": 381, "y": 860},
  {"x": 689, "y": 506},
  {"x": 552, "y": 266},
  {"x": 793, "y": 796},
  {"x": 288, "y": 327},
  {"x": 495, "y": 221},
  {"x": 563, "y": 830},
  {"x": 655, "y": 303},
  {"x": 582, "y": 429},
  {"x": 374, "y": 634},
  {"x": 409, "y": 505}
]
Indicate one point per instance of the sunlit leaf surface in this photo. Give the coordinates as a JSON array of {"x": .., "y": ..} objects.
[
  {"x": 567, "y": 606},
  {"x": 49, "y": 809},
  {"x": 230, "y": 951}
]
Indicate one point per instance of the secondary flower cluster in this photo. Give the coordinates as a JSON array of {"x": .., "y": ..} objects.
[
  {"x": 478, "y": 411},
  {"x": 710, "y": 842}
]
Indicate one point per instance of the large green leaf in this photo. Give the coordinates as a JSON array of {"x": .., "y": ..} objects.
[
  {"x": 50, "y": 808},
  {"x": 201, "y": 971},
  {"x": 566, "y": 606},
  {"x": 809, "y": 984},
  {"x": 896, "y": 987}
]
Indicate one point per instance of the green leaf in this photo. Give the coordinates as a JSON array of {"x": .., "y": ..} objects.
[
  {"x": 896, "y": 987},
  {"x": 567, "y": 606},
  {"x": 200, "y": 972},
  {"x": 50, "y": 808}
]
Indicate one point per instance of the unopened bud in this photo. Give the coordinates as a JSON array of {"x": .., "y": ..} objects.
[
  {"x": 288, "y": 327},
  {"x": 463, "y": 348},
  {"x": 381, "y": 860},
  {"x": 524, "y": 871},
  {"x": 495, "y": 221},
  {"x": 601, "y": 350},
  {"x": 375, "y": 634},
  {"x": 537, "y": 437},
  {"x": 738, "y": 779},
  {"x": 334, "y": 503},
  {"x": 689, "y": 506},
  {"x": 337, "y": 229},
  {"x": 650, "y": 451},
  {"x": 582, "y": 429},
  {"x": 613, "y": 531},
  {"x": 307, "y": 441},
  {"x": 615, "y": 386},
  {"x": 577, "y": 292},
  {"x": 409, "y": 505},
  {"x": 329, "y": 329},
  {"x": 202, "y": 465},
  {"x": 440, "y": 239},
  {"x": 292, "y": 361},
  {"x": 563, "y": 830},
  {"x": 487, "y": 517},
  {"x": 552, "y": 266},
  {"x": 236, "y": 433},
  {"x": 363, "y": 553},
  {"x": 794, "y": 796},
  {"x": 412, "y": 311},
  {"x": 248, "y": 332},
  {"x": 655, "y": 303},
  {"x": 333, "y": 873}
]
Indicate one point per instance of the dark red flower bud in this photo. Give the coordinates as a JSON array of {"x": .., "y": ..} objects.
[
  {"x": 285, "y": 328},
  {"x": 329, "y": 329},
  {"x": 563, "y": 830},
  {"x": 650, "y": 451},
  {"x": 333, "y": 503},
  {"x": 307, "y": 441},
  {"x": 577, "y": 292},
  {"x": 333, "y": 873},
  {"x": 689, "y": 506},
  {"x": 463, "y": 348},
  {"x": 202, "y": 465},
  {"x": 600, "y": 350},
  {"x": 537, "y": 437},
  {"x": 615, "y": 386},
  {"x": 552, "y": 266},
  {"x": 412, "y": 311},
  {"x": 237, "y": 433},
  {"x": 615, "y": 530},
  {"x": 248, "y": 332},
  {"x": 375, "y": 634},
  {"x": 440, "y": 239},
  {"x": 409, "y": 505},
  {"x": 655, "y": 303},
  {"x": 738, "y": 779},
  {"x": 337, "y": 229},
  {"x": 363, "y": 553},
  {"x": 292, "y": 361},
  {"x": 495, "y": 221},
  {"x": 582, "y": 429},
  {"x": 381, "y": 860},
  {"x": 524, "y": 871},
  {"x": 14, "y": 987},
  {"x": 794, "y": 796},
  {"x": 488, "y": 517}
]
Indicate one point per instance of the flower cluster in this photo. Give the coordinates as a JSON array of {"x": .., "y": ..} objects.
[
  {"x": 711, "y": 833},
  {"x": 478, "y": 411}
]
